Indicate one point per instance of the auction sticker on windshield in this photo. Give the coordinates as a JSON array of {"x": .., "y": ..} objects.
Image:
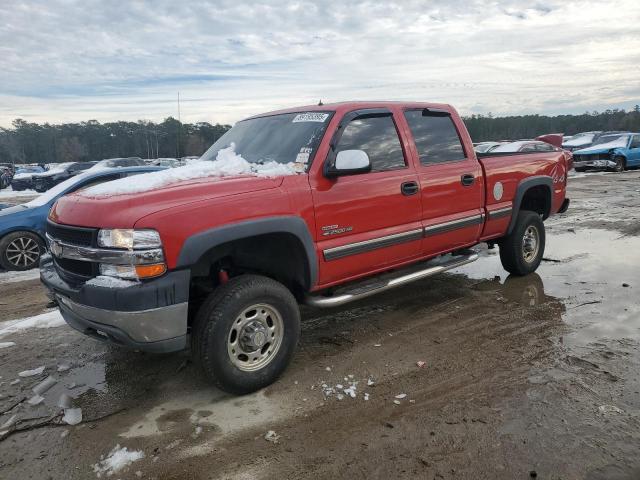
[{"x": 310, "y": 117}]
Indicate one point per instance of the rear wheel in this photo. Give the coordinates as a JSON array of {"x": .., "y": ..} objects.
[
  {"x": 20, "y": 251},
  {"x": 580, "y": 169},
  {"x": 521, "y": 251},
  {"x": 245, "y": 333}
]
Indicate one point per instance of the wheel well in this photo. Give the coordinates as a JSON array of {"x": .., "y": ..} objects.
[
  {"x": 280, "y": 256},
  {"x": 537, "y": 199}
]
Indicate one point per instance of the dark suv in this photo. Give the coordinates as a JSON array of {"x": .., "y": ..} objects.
[{"x": 44, "y": 181}]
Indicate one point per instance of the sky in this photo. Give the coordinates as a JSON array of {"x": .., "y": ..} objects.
[{"x": 67, "y": 61}]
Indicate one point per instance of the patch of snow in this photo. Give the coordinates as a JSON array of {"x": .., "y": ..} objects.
[
  {"x": 44, "y": 385},
  {"x": 117, "y": 460},
  {"x": 366, "y": 397},
  {"x": 31, "y": 373},
  {"x": 271, "y": 436},
  {"x": 72, "y": 416},
  {"x": 63, "y": 367},
  {"x": 397, "y": 402},
  {"x": 609, "y": 409},
  {"x": 7, "y": 344},
  {"x": 15, "y": 382},
  {"x": 9, "y": 423},
  {"x": 45, "y": 320},
  {"x": 401, "y": 396},
  {"x": 370, "y": 382},
  {"x": 13, "y": 277},
  {"x": 227, "y": 164},
  {"x": 11, "y": 193},
  {"x": 64, "y": 433},
  {"x": 35, "y": 400},
  {"x": 110, "y": 282}
]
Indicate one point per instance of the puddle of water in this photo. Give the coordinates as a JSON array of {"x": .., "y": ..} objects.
[
  {"x": 209, "y": 409},
  {"x": 593, "y": 265}
]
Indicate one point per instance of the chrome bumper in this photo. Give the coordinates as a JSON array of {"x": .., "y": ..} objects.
[{"x": 595, "y": 164}]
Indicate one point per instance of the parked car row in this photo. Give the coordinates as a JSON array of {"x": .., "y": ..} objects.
[{"x": 612, "y": 150}]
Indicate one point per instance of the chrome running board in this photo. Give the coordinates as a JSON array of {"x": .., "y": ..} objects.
[{"x": 358, "y": 292}]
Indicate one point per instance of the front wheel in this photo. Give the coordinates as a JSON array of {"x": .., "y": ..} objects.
[
  {"x": 20, "y": 251},
  {"x": 245, "y": 333},
  {"x": 620, "y": 164},
  {"x": 521, "y": 251}
]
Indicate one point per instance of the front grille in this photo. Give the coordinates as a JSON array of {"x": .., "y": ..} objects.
[
  {"x": 77, "y": 267},
  {"x": 86, "y": 237}
]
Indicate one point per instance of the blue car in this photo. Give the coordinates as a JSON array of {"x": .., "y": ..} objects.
[
  {"x": 22, "y": 227},
  {"x": 615, "y": 152}
]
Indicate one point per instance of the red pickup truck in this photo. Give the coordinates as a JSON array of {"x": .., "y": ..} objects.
[{"x": 320, "y": 205}]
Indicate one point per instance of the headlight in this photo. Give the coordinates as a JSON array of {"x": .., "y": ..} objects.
[{"x": 129, "y": 239}]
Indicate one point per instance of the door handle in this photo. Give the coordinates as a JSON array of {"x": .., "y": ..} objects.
[
  {"x": 467, "y": 179},
  {"x": 409, "y": 188}
]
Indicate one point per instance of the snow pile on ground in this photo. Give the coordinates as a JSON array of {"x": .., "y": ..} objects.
[
  {"x": 6, "y": 344},
  {"x": 44, "y": 320},
  {"x": 12, "y": 277},
  {"x": 118, "y": 459},
  {"x": 340, "y": 391},
  {"x": 227, "y": 164},
  {"x": 31, "y": 373},
  {"x": 11, "y": 193},
  {"x": 110, "y": 282}
]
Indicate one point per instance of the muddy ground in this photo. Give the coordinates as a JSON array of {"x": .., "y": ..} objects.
[{"x": 523, "y": 377}]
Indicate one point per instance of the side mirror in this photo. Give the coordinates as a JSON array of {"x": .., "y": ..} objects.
[{"x": 350, "y": 162}]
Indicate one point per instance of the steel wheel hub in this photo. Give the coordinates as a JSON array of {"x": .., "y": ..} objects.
[
  {"x": 22, "y": 252},
  {"x": 530, "y": 243},
  {"x": 255, "y": 337}
]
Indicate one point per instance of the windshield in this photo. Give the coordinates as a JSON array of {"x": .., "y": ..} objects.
[
  {"x": 52, "y": 193},
  {"x": 621, "y": 139},
  {"x": 285, "y": 138}
]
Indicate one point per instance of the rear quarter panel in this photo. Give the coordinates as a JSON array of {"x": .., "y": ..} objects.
[{"x": 503, "y": 174}]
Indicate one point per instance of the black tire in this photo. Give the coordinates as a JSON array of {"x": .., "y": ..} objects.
[
  {"x": 514, "y": 250},
  {"x": 17, "y": 188},
  {"x": 621, "y": 164},
  {"x": 580, "y": 169},
  {"x": 20, "y": 251},
  {"x": 225, "y": 310}
]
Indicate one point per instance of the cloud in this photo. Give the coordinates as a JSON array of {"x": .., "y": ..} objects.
[{"x": 69, "y": 61}]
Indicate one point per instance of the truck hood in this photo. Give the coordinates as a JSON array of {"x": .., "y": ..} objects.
[{"x": 124, "y": 210}]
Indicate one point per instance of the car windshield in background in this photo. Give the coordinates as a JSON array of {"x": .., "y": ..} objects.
[
  {"x": 611, "y": 138},
  {"x": 284, "y": 138}
]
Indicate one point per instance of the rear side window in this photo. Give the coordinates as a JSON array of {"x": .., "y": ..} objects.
[
  {"x": 635, "y": 142},
  {"x": 436, "y": 137},
  {"x": 378, "y": 137}
]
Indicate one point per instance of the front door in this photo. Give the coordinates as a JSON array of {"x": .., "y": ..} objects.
[{"x": 368, "y": 221}]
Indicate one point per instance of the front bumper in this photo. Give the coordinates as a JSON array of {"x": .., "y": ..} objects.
[
  {"x": 150, "y": 316},
  {"x": 595, "y": 164}
]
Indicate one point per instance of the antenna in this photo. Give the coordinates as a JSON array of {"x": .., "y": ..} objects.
[{"x": 178, "y": 130}]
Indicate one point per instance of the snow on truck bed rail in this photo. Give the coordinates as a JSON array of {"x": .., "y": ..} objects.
[{"x": 227, "y": 164}]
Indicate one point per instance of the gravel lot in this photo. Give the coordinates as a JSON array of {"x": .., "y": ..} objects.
[{"x": 522, "y": 377}]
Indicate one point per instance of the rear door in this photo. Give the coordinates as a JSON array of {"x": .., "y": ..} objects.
[
  {"x": 368, "y": 221},
  {"x": 451, "y": 182}
]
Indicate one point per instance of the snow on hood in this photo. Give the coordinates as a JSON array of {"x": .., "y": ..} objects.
[
  {"x": 620, "y": 142},
  {"x": 19, "y": 176},
  {"x": 576, "y": 142},
  {"x": 227, "y": 164}
]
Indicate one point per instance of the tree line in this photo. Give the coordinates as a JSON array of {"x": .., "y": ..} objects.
[
  {"x": 26, "y": 142},
  {"x": 487, "y": 127}
]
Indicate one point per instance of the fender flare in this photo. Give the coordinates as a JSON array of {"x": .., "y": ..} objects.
[
  {"x": 197, "y": 245},
  {"x": 522, "y": 189}
]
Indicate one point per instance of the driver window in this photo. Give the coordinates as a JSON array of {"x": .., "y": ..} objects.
[{"x": 377, "y": 136}]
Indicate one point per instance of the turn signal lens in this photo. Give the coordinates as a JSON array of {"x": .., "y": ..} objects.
[{"x": 150, "y": 271}]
